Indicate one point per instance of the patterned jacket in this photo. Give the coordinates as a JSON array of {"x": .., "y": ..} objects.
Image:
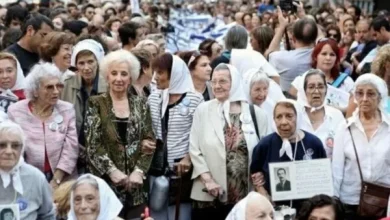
[{"x": 105, "y": 150}]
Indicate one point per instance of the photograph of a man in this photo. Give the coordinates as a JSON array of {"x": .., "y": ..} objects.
[
  {"x": 7, "y": 214},
  {"x": 284, "y": 184}
]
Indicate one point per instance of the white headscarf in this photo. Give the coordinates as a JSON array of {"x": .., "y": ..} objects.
[
  {"x": 146, "y": 42},
  {"x": 110, "y": 206},
  {"x": 301, "y": 94},
  {"x": 236, "y": 93},
  {"x": 286, "y": 145},
  {"x": 19, "y": 84},
  {"x": 239, "y": 210},
  {"x": 14, "y": 173},
  {"x": 179, "y": 83},
  {"x": 378, "y": 83},
  {"x": 90, "y": 45}
]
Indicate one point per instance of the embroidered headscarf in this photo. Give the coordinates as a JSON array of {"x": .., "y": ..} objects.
[
  {"x": 179, "y": 83},
  {"x": 110, "y": 206},
  {"x": 236, "y": 92},
  {"x": 301, "y": 95},
  {"x": 286, "y": 145},
  {"x": 13, "y": 176}
]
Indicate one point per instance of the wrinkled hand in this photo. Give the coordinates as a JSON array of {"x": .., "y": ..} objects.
[
  {"x": 183, "y": 166},
  {"x": 118, "y": 178},
  {"x": 300, "y": 10},
  {"x": 283, "y": 21},
  {"x": 148, "y": 147},
  {"x": 134, "y": 181},
  {"x": 258, "y": 179},
  {"x": 213, "y": 188},
  {"x": 53, "y": 184}
]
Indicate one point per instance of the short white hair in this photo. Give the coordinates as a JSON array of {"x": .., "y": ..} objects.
[
  {"x": 9, "y": 127},
  {"x": 259, "y": 76},
  {"x": 121, "y": 56},
  {"x": 37, "y": 74}
]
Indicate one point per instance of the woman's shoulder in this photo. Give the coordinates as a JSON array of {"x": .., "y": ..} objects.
[
  {"x": 334, "y": 113},
  {"x": 64, "y": 106},
  {"x": 313, "y": 140},
  {"x": 19, "y": 106},
  {"x": 266, "y": 141},
  {"x": 31, "y": 173},
  {"x": 195, "y": 96}
]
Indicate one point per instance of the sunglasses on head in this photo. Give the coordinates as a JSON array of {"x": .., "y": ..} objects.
[{"x": 326, "y": 39}]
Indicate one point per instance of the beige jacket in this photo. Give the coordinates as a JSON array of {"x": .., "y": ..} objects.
[
  {"x": 72, "y": 94},
  {"x": 207, "y": 144}
]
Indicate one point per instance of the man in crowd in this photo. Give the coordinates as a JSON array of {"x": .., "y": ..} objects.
[
  {"x": 26, "y": 49},
  {"x": 15, "y": 16},
  {"x": 131, "y": 34}
]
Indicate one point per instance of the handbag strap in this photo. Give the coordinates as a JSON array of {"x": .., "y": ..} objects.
[
  {"x": 253, "y": 115},
  {"x": 356, "y": 154}
]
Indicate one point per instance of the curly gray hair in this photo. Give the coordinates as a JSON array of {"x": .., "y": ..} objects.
[
  {"x": 121, "y": 56},
  {"x": 37, "y": 74}
]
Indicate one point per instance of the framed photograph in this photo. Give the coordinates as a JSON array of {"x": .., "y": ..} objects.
[
  {"x": 9, "y": 212},
  {"x": 300, "y": 179}
]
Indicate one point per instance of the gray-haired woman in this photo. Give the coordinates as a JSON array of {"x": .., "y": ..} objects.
[
  {"x": 48, "y": 123},
  {"x": 22, "y": 187},
  {"x": 119, "y": 137}
]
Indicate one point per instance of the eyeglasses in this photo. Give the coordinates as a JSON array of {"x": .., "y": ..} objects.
[
  {"x": 331, "y": 36},
  {"x": 220, "y": 82},
  {"x": 313, "y": 88},
  {"x": 14, "y": 145},
  {"x": 50, "y": 88},
  {"x": 369, "y": 94}
]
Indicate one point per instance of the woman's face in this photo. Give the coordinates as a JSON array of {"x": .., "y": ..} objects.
[
  {"x": 216, "y": 51},
  {"x": 10, "y": 150},
  {"x": 348, "y": 38},
  {"x": 58, "y": 23},
  {"x": 62, "y": 58},
  {"x": 86, "y": 202},
  {"x": 87, "y": 66},
  {"x": 367, "y": 97},
  {"x": 8, "y": 73},
  {"x": 323, "y": 213},
  {"x": 259, "y": 92},
  {"x": 326, "y": 59},
  {"x": 202, "y": 69},
  {"x": 152, "y": 49},
  {"x": 118, "y": 77},
  {"x": 49, "y": 91},
  {"x": 349, "y": 25},
  {"x": 115, "y": 26},
  {"x": 248, "y": 21},
  {"x": 315, "y": 90},
  {"x": 285, "y": 120},
  {"x": 222, "y": 84},
  {"x": 333, "y": 35},
  {"x": 162, "y": 79},
  {"x": 255, "y": 21}
]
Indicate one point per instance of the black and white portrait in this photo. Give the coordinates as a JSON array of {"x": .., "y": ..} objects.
[
  {"x": 9, "y": 212},
  {"x": 282, "y": 179}
]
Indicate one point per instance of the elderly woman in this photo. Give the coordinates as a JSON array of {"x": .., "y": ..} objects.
[
  {"x": 48, "y": 123},
  {"x": 21, "y": 185},
  {"x": 362, "y": 142},
  {"x": 87, "y": 82},
  {"x": 119, "y": 136},
  {"x": 172, "y": 112},
  {"x": 150, "y": 46},
  {"x": 57, "y": 48},
  {"x": 92, "y": 198},
  {"x": 223, "y": 135},
  {"x": 318, "y": 118},
  {"x": 288, "y": 143},
  {"x": 253, "y": 206},
  {"x": 141, "y": 87},
  {"x": 11, "y": 80}
]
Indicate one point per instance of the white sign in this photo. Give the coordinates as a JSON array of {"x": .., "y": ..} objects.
[
  {"x": 10, "y": 211},
  {"x": 134, "y": 6},
  {"x": 337, "y": 97},
  {"x": 300, "y": 179}
]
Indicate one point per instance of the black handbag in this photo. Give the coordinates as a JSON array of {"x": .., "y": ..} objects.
[{"x": 374, "y": 198}]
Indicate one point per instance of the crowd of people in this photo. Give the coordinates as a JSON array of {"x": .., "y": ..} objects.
[{"x": 100, "y": 121}]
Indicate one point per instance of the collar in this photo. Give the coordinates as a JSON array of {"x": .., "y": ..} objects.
[{"x": 354, "y": 119}]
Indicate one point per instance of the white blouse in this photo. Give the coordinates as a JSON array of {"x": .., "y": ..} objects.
[
  {"x": 327, "y": 130},
  {"x": 374, "y": 157}
]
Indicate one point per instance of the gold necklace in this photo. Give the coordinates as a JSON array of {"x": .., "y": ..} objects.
[{"x": 41, "y": 113}]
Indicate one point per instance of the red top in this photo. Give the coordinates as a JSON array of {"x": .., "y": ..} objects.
[
  {"x": 20, "y": 94},
  {"x": 47, "y": 167}
]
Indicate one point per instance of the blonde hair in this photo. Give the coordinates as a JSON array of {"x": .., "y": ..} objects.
[
  {"x": 378, "y": 66},
  {"x": 62, "y": 198},
  {"x": 8, "y": 56}
]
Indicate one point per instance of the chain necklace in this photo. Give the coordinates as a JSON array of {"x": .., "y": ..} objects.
[{"x": 41, "y": 113}]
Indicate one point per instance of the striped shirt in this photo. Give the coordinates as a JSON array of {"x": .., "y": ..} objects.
[{"x": 179, "y": 124}]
